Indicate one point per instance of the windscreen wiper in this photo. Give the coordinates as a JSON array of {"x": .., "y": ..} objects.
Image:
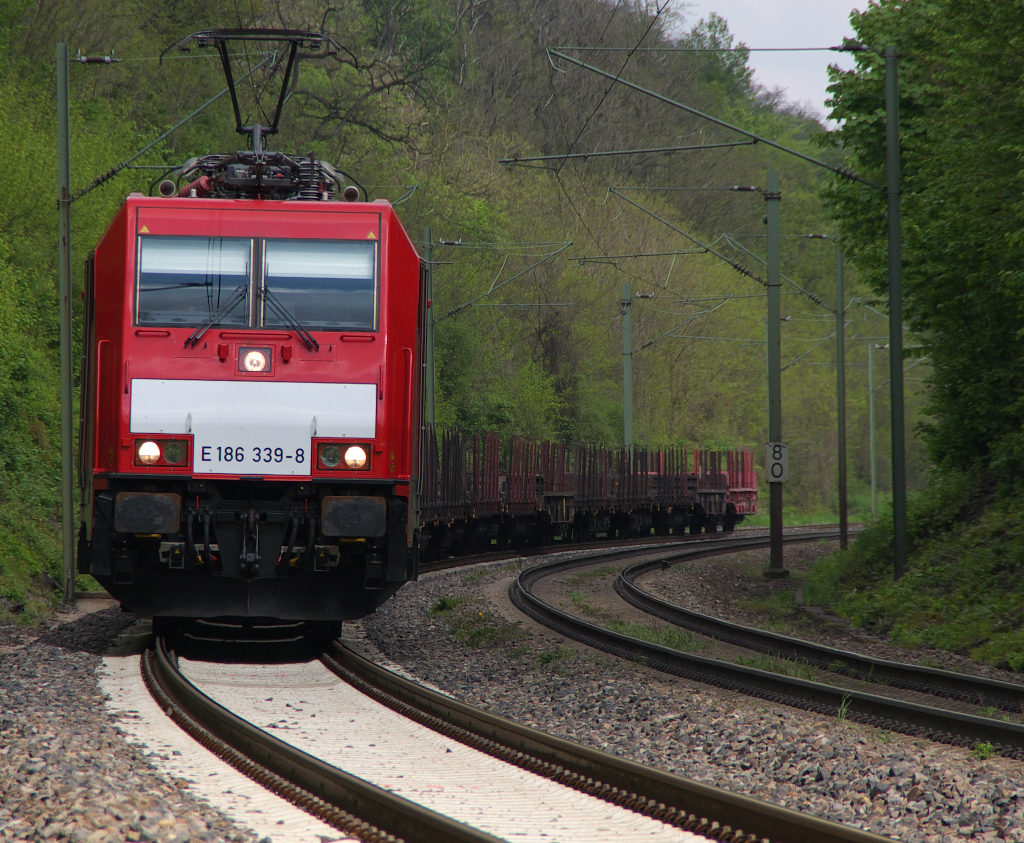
[
  {"x": 289, "y": 320},
  {"x": 222, "y": 311}
]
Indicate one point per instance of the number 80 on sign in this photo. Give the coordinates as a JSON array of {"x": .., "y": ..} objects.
[{"x": 776, "y": 462}]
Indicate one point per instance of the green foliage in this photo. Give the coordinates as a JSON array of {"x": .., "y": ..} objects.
[
  {"x": 29, "y": 446},
  {"x": 983, "y": 751},
  {"x": 844, "y": 709},
  {"x": 725, "y": 64},
  {"x": 484, "y": 630},
  {"x": 962, "y": 590},
  {"x": 960, "y": 128},
  {"x": 785, "y": 667},
  {"x": 583, "y": 605},
  {"x": 556, "y": 656},
  {"x": 600, "y": 573},
  {"x": 445, "y": 604},
  {"x": 668, "y": 636},
  {"x": 434, "y": 94}
]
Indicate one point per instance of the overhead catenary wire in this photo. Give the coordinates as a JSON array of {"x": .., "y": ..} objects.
[
  {"x": 742, "y": 270},
  {"x": 565, "y": 156},
  {"x": 654, "y": 20},
  {"x": 845, "y": 172},
  {"x": 111, "y": 173},
  {"x": 495, "y": 286},
  {"x": 742, "y": 48},
  {"x": 606, "y": 258},
  {"x": 814, "y": 298}
]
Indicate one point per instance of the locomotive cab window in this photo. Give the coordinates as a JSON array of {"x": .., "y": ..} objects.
[
  {"x": 323, "y": 284},
  {"x": 320, "y": 284},
  {"x": 189, "y": 280}
]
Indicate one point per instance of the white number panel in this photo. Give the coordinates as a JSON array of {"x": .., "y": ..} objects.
[
  {"x": 222, "y": 448},
  {"x": 776, "y": 461}
]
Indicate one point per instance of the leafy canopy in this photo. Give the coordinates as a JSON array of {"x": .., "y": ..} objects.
[{"x": 961, "y": 80}]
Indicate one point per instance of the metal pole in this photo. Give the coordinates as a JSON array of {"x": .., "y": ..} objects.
[
  {"x": 841, "y": 393},
  {"x": 774, "y": 336},
  {"x": 892, "y": 190},
  {"x": 627, "y": 367},
  {"x": 871, "y": 425},
  {"x": 428, "y": 258},
  {"x": 64, "y": 301}
]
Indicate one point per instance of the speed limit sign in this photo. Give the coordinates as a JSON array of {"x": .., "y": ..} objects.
[{"x": 776, "y": 461}]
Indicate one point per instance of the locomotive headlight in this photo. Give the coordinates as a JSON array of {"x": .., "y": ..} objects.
[
  {"x": 355, "y": 457},
  {"x": 148, "y": 452},
  {"x": 330, "y": 456},
  {"x": 255, "y": 361}
]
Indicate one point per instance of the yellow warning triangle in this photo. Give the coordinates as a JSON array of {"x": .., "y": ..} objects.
[
  {"x": 371, "y": 236},
  {"x": 143, "y": 230}
]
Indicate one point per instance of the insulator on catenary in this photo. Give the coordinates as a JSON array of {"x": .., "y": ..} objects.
[
  {"x": 203, "y": 186},
  {"x": 313, "y": 180}
]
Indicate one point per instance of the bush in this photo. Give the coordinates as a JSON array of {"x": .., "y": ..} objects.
[{"x": 963, "y": 589}]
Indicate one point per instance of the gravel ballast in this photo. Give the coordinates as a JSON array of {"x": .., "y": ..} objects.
[
  {"x": 909, "y": 789},
  {"x": 66, "y": 772}
]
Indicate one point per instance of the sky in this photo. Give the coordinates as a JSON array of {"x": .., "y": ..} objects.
[{"x": 786, "y": 23}]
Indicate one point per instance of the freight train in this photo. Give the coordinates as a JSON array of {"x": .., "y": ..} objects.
[
  {"x": 475, "y": 494},
  {"x": 252, "y": 442}
]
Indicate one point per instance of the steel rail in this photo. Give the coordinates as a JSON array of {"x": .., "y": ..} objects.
[
  {"x": 345, "y": 801},
  {"x": 701, "y": 808},
  {"x": 909, "y": 718},
  {"x": 978, "y": 690},
  {"x": 568, "y": 546}
]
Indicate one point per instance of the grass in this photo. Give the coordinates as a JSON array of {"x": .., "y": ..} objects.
[
  {"x": 844, "y": 709},
  {"x": 784, "y": 667},
  {"x": 556, "y": 656},
  {"x": 445, "y": 604},
  {"x": 601, "y": 573},
  {"x": 994, "y": 713},
  {"x": 473, "y": 627},
  {"x": 779, "y": 605},
  {"x": 579, "y": 600},
  {"x": 963, "y": 590},
  {"x": 674, "y": 639},
  {"x": 983, "y": 751}
]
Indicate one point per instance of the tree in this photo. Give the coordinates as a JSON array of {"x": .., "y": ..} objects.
[{"x": 961, "y": 75}]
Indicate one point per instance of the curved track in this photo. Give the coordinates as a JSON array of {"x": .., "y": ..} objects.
[
  {"x": 875, "y": 710},
  {"x": 488, "y": 790},
  {"x": 342, "y": 800},
  {"x": 713, "y": 812},
  {"x": 375, "y": 814},
  {"x": 976, "y": 690}
]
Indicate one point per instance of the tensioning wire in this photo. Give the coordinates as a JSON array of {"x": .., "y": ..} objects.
[{"x": 740, "y": 49}]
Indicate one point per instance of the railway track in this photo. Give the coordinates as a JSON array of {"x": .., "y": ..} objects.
[
  {"x": 616, "y": 548},
  {"x": 935, "y": 723},
  {"x": 427, "y": 787},
  {"x": 305, "y": 768}
]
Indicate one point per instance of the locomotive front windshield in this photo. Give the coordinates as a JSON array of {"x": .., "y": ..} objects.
[
  {"x": 320, "y": 284},
  {"x": 186, "y": 280}
]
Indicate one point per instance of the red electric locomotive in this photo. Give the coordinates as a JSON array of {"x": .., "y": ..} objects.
[{"x": 251, "y": 391}]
